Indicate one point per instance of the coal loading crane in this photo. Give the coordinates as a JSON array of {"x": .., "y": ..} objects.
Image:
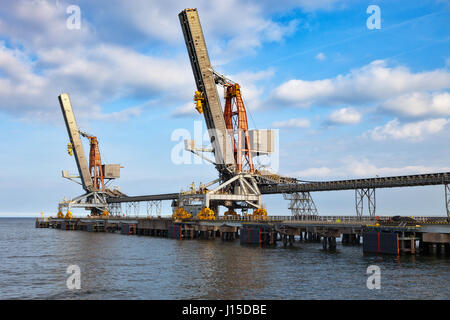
[
  {"x": 92, "y": 177},
  {"x": 229, "y": 135}
]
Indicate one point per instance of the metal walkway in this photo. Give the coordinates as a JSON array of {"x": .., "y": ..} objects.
[
  {"x": 374, "y": 183},
  {"x": 369, "y": 183},
  {"x": 153, "y": 197}
]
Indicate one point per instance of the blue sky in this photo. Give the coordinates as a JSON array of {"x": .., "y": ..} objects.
[{"x": 349, "y": 101}]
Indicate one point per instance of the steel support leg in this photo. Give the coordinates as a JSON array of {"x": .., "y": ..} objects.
[
  {"x": 447, "y": 200},
  {"x": 154, "y": 207},
  {"x": 301, "y": 205},
  {"x": 132, "y": 207},
  {"x": 360, "y": 194}
]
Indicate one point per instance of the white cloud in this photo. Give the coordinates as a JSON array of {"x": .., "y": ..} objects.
[
  {"x": 314, "y": 172},
  {"x": 306, "y": 5},
  {"x": 252, "y": 91},
  {"x": 292, "y": 123},
  {"x": 40, "y": 24},
  {"x": 419, "y": 104},
  {"x": 95, "y": 68},
  {"x": 372, "y": 83},
  {"x": 354, "y": 168},
  {"x": 365, "y": 168},
  {"x": 345, "y": 116},
  {"x": 413, "y": 131},
  {"x": 95, "y": 113},
  {"x": 320, "y": 56},
  {"x": 186, "y": 110},
  {"x": 247, "y": 26},
  {"x": 95, "y": 76},
  {"x": 317, "y": 4}
]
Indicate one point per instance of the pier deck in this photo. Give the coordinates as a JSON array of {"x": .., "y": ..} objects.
[{"x": 379, "y": 236}]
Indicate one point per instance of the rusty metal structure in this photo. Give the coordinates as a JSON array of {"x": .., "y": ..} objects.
[
  {"x": 95, "y": 163},
  {"x": 235, "y": 117}
]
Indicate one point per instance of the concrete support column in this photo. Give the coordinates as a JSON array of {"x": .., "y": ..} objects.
[
  {"x": 345, "y": 239},
  {"x": 325, "y": 243},
  {"x": 433, "y": 248},
  {"x": 332, "y": 243},
  {"x": 291, "y": 240}
]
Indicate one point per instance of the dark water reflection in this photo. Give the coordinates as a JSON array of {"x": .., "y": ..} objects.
[{"x": 113, "y": 266}]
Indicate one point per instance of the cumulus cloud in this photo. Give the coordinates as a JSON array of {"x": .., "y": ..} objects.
[
  {"x": 247, "y": 28},
  {"x": 306, "y": 5},
  {"x": 186, "y": 110},
  {"x": 412, "y": 131},
  {"x": 96, "y": 113},
  {"x": 345, "y": 116},
  {"x": 100, "y": 63},
  {"x": 355, "y": 168},
  {"x": 292, "y": 123},
  {"x": 252, "y": 90},
  {"x": 94, "y": 76},
  {"x": 419, "y": 104},
  {"x": 40, "y": 24},
  {"x": 372, "y": 83},
  {"x": 314, "y": 172}
]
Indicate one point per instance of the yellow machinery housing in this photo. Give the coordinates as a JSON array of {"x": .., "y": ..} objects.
[
  {"x": 260, "y": 214},
  {"x": 180, "y": 213},
  {"x": 68, "y": 215},
  {"x": 206, "y": 214},
  {"x": 70, "y": 149},
  {"x": 198, "y": 99}
]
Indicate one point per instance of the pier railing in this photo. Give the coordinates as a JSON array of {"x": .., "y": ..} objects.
[
  {"x": 322, "y": 219},
  {"x": 327, "y": 219},
  {"x": 274, "y": 218}
]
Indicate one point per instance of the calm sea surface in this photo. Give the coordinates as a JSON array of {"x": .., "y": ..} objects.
[{"x": 33, "y": 265}]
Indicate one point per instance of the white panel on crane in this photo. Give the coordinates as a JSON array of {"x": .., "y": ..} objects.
[
  {"x": 111, "y": 171},
  {"x": 262, "y": 141}
]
